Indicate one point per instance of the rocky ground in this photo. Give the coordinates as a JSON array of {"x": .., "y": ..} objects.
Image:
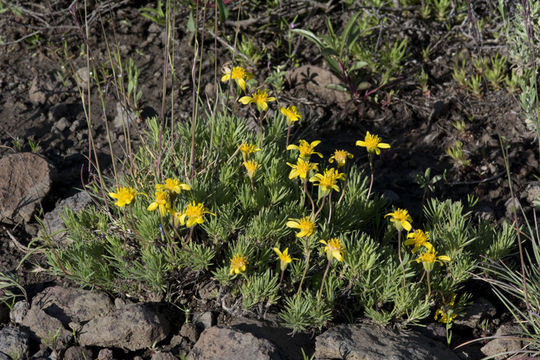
[{"x": 44, "y": 152}]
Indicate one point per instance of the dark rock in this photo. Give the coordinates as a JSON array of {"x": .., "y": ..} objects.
[
  {"x": 47, "y": 329},
  {"x": 368, "y": 341},
  {"x": 475, "y": 313},
  {"x": 77, "y": 353},
  {"x": 505, "y": 343},
  {"x": 14, "y": 342},
  {"x": 218, "y": 343},
  {"x": 53, "y": 220},
  {"x": 69, "y": 304},
  {"x": 163, "y": 356},
  {"x": 25, "y": 179},
  {"x": 133, "y": 327},
  {"x": 191, "y": 332}
]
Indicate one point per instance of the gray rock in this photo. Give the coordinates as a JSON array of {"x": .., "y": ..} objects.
[
  {"x": 18, "y": 312},
  {"x": 163, "y": 356},
  {"x": 35, "y": 94},
  {"x": 25, "y": 179},
  {"x": 506, "y": 344},
  {"x": 510, "y": 204},
  {"x": 77, "y": 353},
  {"x": 124, "y": 117},
  {"x": 14, "y": 342},
  {"x": 204, "y": 320},
  {"x": 73, "y": 305},
  {"x": 54, "y": 225},
  {"x": 82, "y": 77},
  {"x": 133, "y": 327},
  {"x": 105, "y": 354},
  {"x": 190, "y": 331},
  {"x": 47, "y": 329},
  {"x": 62, "y": 124},
  {"x": 218, "y": 343},
  {"x": 475, "y": 313},
  {"x": 368, "y": 341}
]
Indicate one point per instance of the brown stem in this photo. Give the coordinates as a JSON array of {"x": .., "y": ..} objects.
[
  {"x": 288, "y": 134},
  {"x": 324, "y": 278},
  {"x": 329, "y": 208},
  {"x": 318, "y": 211},
  {"x": 371, "y": 176},
  {"x": 310, "y": 198}
]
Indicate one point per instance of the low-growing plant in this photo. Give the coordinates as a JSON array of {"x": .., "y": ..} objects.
[
  {"x": 474, "y": 85},
  {"x": 458, "y": 156}
]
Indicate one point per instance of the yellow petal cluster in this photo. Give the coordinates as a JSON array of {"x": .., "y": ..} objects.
[
  {"x": 291, "y": 114},
  {"x": 401, "y": 219},
  {"x": 259, "y": 98},
  {"x": 124, "y": 196},
  {"x": 334, "y": 249},
  {"x": 301, "y": 169},
  {"x": 328, "y": 180},
  {"x": 340, "y": 157},
  {"x": 306, "y": 225},
  {"x": 239, "y": 75},
  {"x": 373, "y": 143},
  {"x": 306, "y": 149},
  {"x": 194, "y": 213},
  {"x": 238, "y": 264}
]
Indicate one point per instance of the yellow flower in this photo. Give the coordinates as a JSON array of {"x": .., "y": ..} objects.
[
  {"x": 260, "y": 98},
  {"x": 161, "y": 201},
  {"x": 340, "y": 156},
  {"x": 301, "y": 169},
  {"x": 284, "y": 258},
  {"x": 328, "y": 180},
  {"x": 238, "y": 264},
  {"x": 447, "y": 312},
  {"x": 173, "y": 186},
  {"x": 334, "y": 249},
  {"x": 401, "y": 219},
  {"x": 418, "y": 238},
  {"x": 239, "y": 75},
  {"x": 291, "y": 113},
  {"x": 194, "y": 213},
  {"x": 251, "y": 167},
  {"x": 124, "y": 196},
  {"x": 305, "y": 224},
  {"x": 373, "y": 144},
  {"x": 247, "y": 150},
  {"x": 305, "y": 148},
  {"x": 429, "y": 257}
]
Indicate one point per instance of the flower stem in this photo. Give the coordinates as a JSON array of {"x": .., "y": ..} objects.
[
  {"x": 428, "y": 286},
  {"x": 324, "y": 278},
  {"x": 310, "y": 198},
  {"x": 320, "y": 209},
  {"x": 400, "y": 259},
  {"x": 329, "y": 208},
  {"x": 288, "y": 135},
  {"x": 306, "y": 256},
  {"x": 371, "y": 171}
]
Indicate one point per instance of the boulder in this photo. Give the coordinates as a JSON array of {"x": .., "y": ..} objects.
[
  {"x": 25, "y": 179},
  {"x": 369, "y": 341},
  {"x": 133, "y": 327}
]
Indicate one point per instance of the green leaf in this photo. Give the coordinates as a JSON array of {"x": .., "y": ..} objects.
[
  {"x": 336, "y": 87},
  {"x": 310, "y": 36},
  {"x": 223, "y": 11}
]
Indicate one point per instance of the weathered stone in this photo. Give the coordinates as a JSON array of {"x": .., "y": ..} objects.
[
  {"x": 163, "y": 356},
  {"x": 53, "y": 220},
  {"x": 18, "y": 312},
  {"x": 47, "y": 328},
  {"x": 82, "y": 77},
  {"x": 77, "y": 353},
  {"x": 475, "y": 313},
  {"x": 70, "y": 304},
  {"x": 25, "y": 178},
  {"x": 105, "y": 354},
  {"x": 372, "y": 342},
  {"x": 314, "y": 81},
  {"x": 218, "y": 343},
  {"x": 506, "y": 343},
  {"x": 133, "y": 327},
  {"x": 191, "y": 332},
  {"x": 35, "y": 94},
  {"x": 14, "y": 342},
  {"x": 204, "y": 320},
  {"x": 124, "y": 117}
]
